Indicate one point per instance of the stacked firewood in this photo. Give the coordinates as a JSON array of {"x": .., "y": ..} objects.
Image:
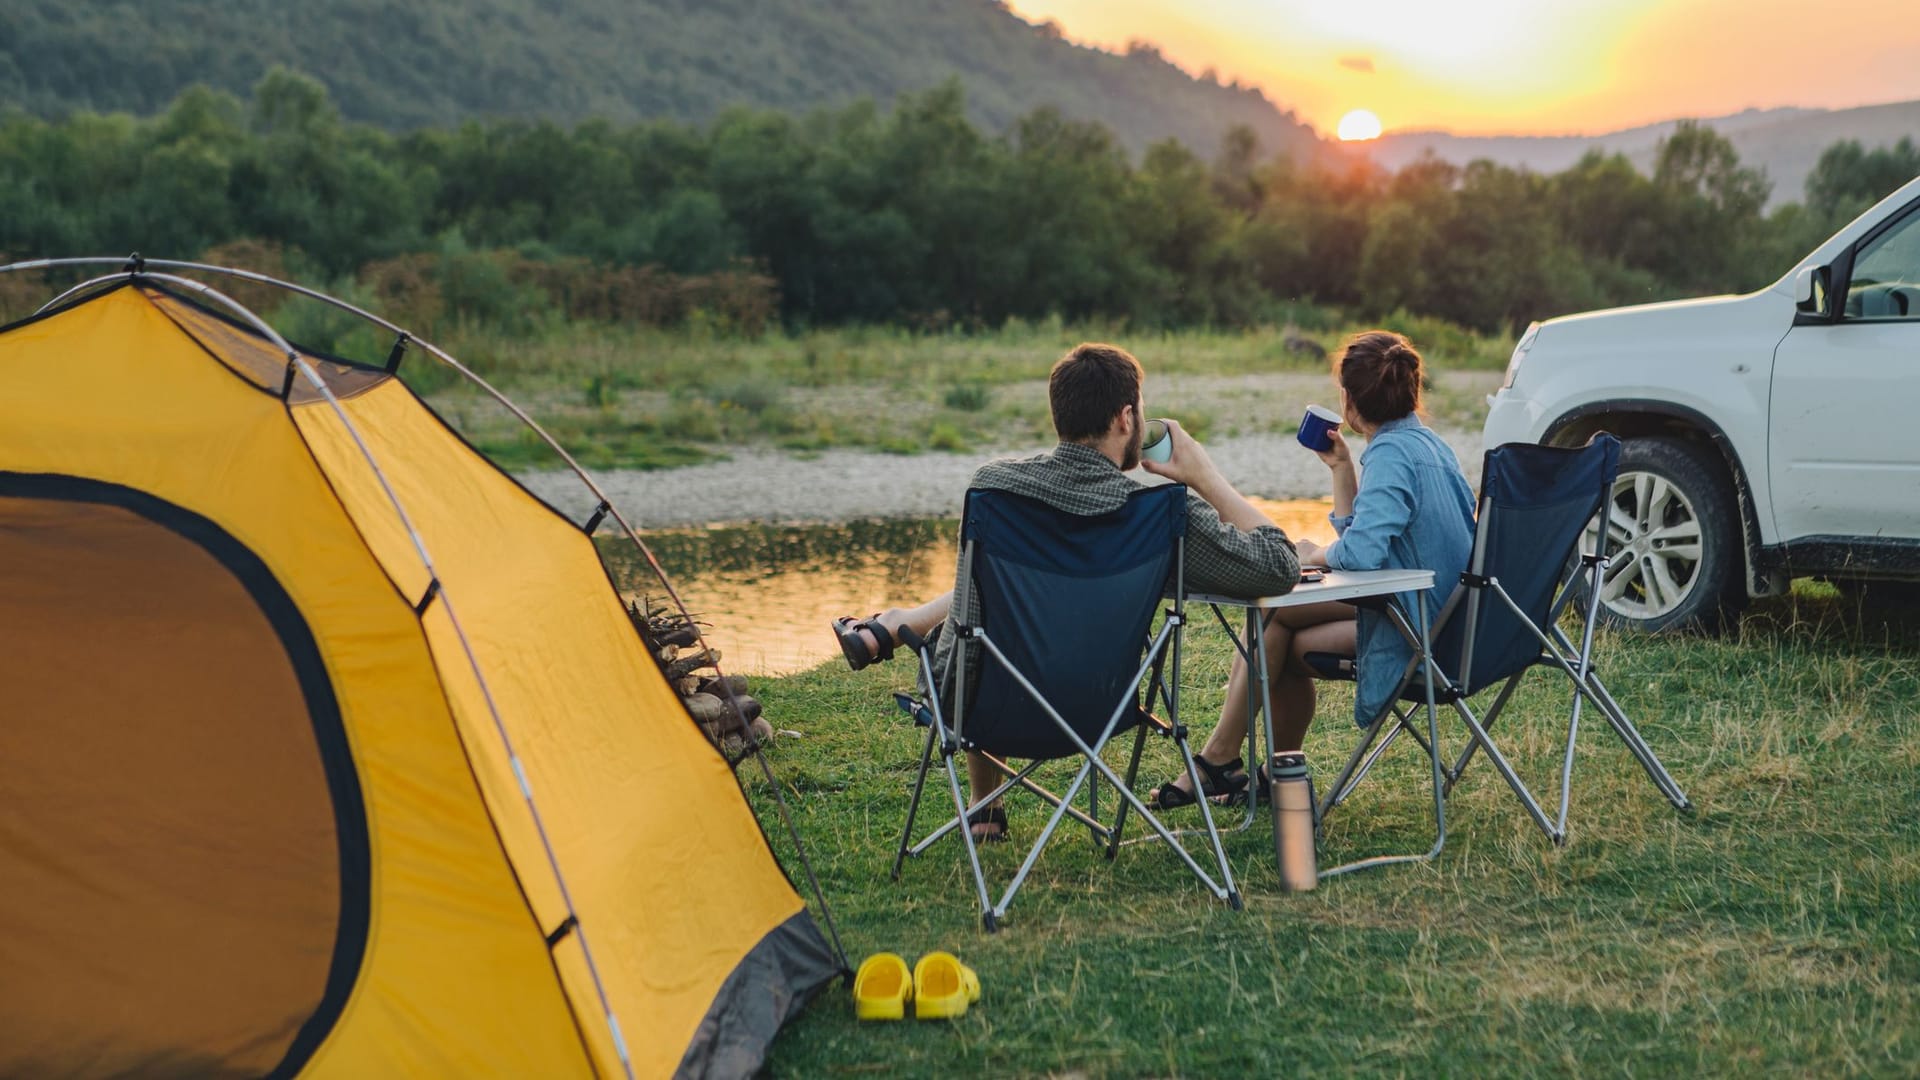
[{"x": 728, "y": 715}]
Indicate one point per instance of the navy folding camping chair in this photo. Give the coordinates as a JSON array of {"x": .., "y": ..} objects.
[
  {"x": 1054, "y": 638},
  {"x": 1535, "y": 504}
]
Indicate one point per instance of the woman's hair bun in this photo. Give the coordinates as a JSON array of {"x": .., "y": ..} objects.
[{"x": 1380, "y": 371}]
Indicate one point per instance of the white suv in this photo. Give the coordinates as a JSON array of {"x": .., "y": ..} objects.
[{"x": 1766, "y": 436}]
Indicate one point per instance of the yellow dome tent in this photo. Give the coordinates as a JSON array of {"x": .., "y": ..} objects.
[{"x": 328, "y": 750}]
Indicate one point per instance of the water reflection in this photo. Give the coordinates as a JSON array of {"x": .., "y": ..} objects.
[{"x": 769, "y": 591}]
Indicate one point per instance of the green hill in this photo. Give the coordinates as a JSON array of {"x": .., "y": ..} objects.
[{"x": 421, "y": 63}]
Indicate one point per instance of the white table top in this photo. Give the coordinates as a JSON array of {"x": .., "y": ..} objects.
[{"x": 1337, "y": 585}]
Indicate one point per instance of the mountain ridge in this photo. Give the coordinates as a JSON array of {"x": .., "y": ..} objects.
[{"x": 1786, "y": 142}]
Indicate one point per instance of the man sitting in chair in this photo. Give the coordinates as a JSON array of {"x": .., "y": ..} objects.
[{"x": 1231, "y": 548}]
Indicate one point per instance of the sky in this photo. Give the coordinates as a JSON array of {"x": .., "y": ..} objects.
[{"x": 1533, "y": 67}]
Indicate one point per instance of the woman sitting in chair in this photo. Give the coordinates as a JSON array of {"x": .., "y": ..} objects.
[{"x": 1413, "y": 510}]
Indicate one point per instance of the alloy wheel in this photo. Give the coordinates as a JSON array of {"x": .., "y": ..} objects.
[{"x": 1653, "y": 544}]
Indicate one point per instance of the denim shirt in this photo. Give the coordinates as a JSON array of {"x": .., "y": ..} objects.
[{"x": 1414, "y": 510}]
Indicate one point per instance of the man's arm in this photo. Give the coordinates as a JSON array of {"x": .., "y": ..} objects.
[
  {"x": 1190, "y": 464},
  {"x": 1232, "y": 547}
]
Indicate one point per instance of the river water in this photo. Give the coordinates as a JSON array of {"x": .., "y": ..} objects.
[{"x": 768, "y": 592}]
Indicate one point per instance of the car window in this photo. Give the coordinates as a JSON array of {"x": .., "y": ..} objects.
[{"x": 1886, "y": 274}]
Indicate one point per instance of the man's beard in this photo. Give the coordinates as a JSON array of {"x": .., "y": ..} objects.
[{"x": 1130, "y": 457}]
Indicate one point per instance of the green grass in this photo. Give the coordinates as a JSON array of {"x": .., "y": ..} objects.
[
  {"x": 1775, "y": 928},
  {"x": 886, "y": 355},
  {"x": 644, "y": 399}
]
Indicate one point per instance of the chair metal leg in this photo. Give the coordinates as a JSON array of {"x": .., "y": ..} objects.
[
  {"x": 1583, "y": 670},
  {"x": 913, "y": 805},
  {"x": 1379, "y": 748},
  {"x": 1624, "y": 727},
  {"x": 1493, "y": 713},
  {"x": 1343, "y": 783},
  {"x": 1413, "y": 733},
  {"x": 1016, "y": 778},
  {"x": 1091, "y": 755},
  {"x": 1553, "y": 642},
  {"x": 1637, "y": 745},
  {"x": 1133, "y": 771},
  {"x": 973, "y": 852},
  {"x": 1040, "y": 842},
  {"x": 1425, "y": 642},
  {"x": 1231, "y": 892},
  {"x": 1093, "y": 809},
  {"x": 1505, "y": 769}
]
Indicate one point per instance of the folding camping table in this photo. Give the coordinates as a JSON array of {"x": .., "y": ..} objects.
[{"x": 1336, "y": 585}]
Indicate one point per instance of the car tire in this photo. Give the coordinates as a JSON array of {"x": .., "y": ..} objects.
[{"x": 1674, "y": 542}]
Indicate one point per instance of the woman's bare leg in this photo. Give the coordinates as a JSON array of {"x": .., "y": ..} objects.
[
  {"x": 1293, "y": 693},
  {"x": 1339, "y": 637}
]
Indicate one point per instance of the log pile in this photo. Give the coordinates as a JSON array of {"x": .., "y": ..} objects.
[{"x": 728, "y": 715}]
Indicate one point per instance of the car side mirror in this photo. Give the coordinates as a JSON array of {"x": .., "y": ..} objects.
[{"x": 1810, "y": 289}]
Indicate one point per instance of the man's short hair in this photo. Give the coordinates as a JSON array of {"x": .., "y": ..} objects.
[{"x": 1088, "y": 388}]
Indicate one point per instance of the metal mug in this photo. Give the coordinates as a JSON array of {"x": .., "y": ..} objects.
[
  {"x": 1317, "y": 428},
  {"x": 1156, "y": 445}
]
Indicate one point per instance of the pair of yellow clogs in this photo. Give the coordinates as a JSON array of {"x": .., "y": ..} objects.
[{"x": 941, "y": 987}]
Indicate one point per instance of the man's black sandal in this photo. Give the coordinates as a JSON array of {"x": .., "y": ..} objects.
[
  {"x": 1229, "y": 780},
  {"x": 990, "y": 815},
  {"x": 855, "y": 649}
]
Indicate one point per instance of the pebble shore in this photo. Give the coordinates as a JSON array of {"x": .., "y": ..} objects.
[{"x": 757, "y": 484}]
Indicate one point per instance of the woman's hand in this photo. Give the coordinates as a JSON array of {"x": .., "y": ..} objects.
[
  {"x": 1309, "y": 553},
  {"x": 1346, "y": 480},
  {"x": 1339, "y": 455}
]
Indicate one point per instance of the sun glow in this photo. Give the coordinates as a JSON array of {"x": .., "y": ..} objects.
[{"x": 1359, "y": 125}]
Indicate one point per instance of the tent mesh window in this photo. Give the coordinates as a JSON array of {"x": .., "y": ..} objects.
[{"x": 172, "y": 840}]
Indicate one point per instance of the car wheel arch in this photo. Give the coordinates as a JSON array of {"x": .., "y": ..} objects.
[{"x": 1628, "y": 418}]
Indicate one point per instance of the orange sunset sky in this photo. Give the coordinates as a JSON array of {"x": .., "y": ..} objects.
[{"x": 1543, "y": 67}]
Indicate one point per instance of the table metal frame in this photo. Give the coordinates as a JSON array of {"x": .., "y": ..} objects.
[{"x": 1340, "y": 585}]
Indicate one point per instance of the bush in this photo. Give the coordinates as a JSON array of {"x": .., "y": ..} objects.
[
  {"x": 752, "y": 395},
  {"x": 601, "y": 393},
  {"x": 969, "y": 397}
]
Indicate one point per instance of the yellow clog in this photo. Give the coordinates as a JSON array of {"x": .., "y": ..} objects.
[
  {"x": 881, "y": 988},
  {"x": 943, "y": 987}
]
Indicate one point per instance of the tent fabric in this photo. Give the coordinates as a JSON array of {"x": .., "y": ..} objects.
[{"x": 201, "y": 566}]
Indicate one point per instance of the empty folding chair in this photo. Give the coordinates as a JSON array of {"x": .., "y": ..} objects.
[
  {"x": 1503, "y": 621},
  {"x": 1055, "y": 651}
]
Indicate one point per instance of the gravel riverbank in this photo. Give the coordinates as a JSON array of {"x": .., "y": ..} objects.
[{"x": 766, "y": 485}]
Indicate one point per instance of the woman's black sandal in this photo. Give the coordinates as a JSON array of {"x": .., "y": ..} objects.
[
  {"x": 855, "y": 650},
  {"x": 1229, "y": 780},
  {"x": 990, "y": 815}
]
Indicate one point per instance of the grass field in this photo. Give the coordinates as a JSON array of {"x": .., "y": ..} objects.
[
  {"x": 1774, "y": 929},
  {"x": 628, "y": 398}
]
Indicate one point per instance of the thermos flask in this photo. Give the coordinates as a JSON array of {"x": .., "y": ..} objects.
[{"x": 1293, "y": 821}]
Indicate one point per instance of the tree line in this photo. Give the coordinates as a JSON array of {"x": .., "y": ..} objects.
[{"x": 912, "y": 215}]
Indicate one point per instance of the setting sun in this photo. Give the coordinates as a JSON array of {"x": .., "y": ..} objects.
[
  {"x": 1359, "y": 125},
  {"x": 1513, "y": 66}
]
